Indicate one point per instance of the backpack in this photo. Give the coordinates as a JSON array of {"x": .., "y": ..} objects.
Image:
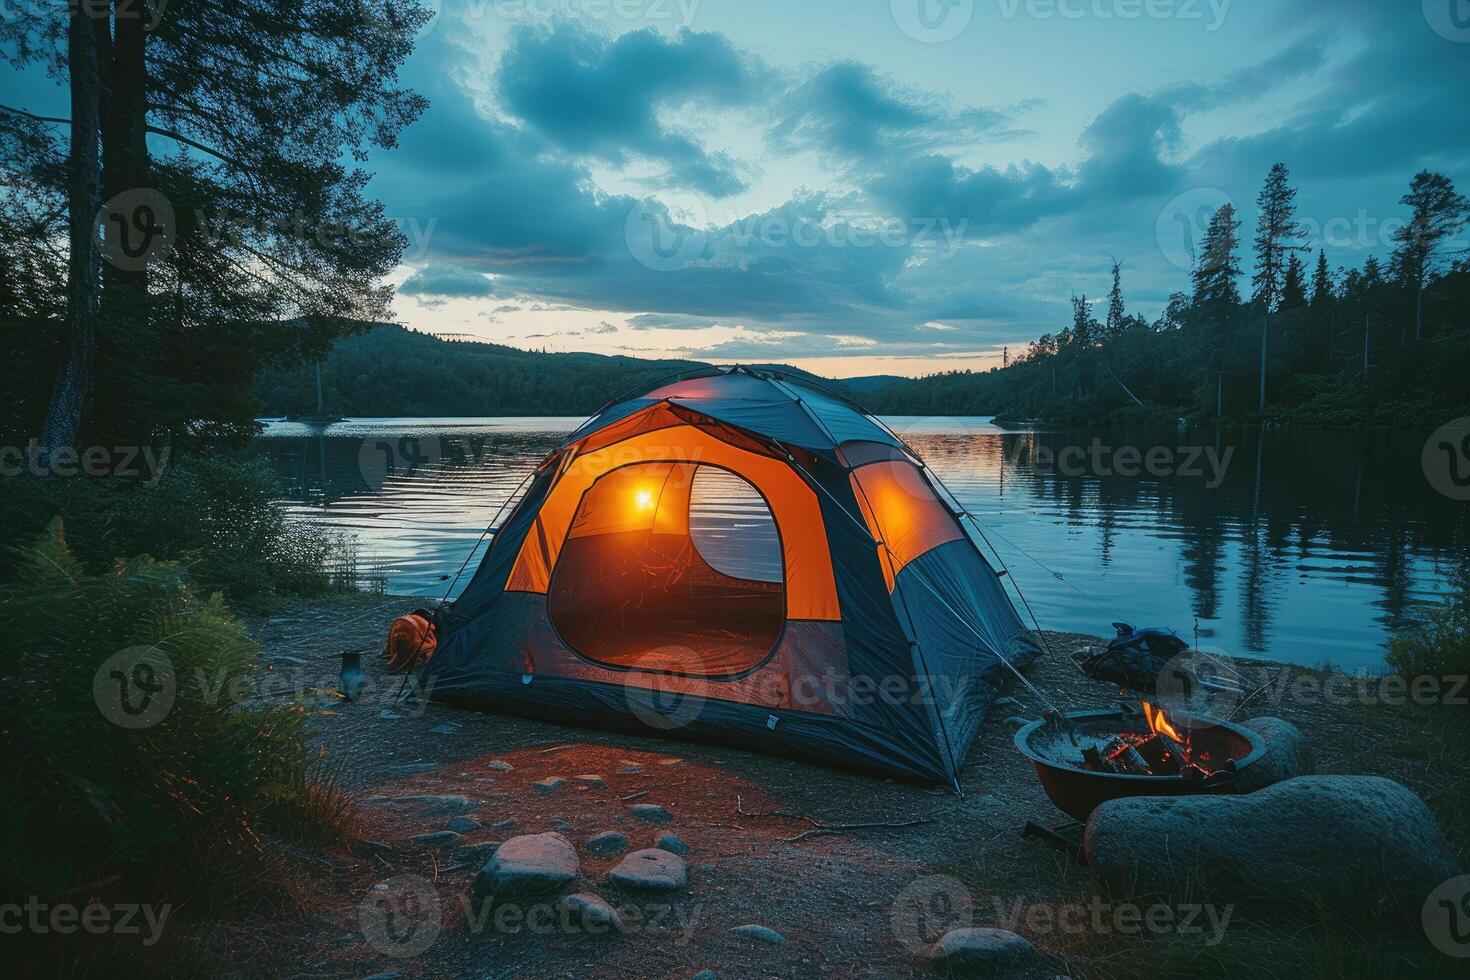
[
  {"x": 412, "y": 640},
  {"x": 1135, "y": 657}
]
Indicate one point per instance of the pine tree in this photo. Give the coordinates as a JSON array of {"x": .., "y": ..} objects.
[
  {"x": 1438, "y": 213},
  {"x": 1277, "y": 235},
  {"x": 1321, "y": 281},
  {"x": 1219, "y": 266},
  {"x": 1117, "y": 320},
  {"x": 1084, "y": 327},
  {"x": 1294, "y": 284}
]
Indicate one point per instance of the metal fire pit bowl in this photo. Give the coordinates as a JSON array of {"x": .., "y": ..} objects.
[{"x": 1077, "y": 792}]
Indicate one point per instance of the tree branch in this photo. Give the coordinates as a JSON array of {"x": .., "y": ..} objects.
[
  {"x": 818, "y": 828},
  {"x": 155, "y": 130}
]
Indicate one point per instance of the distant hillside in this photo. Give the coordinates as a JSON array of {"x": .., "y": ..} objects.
[
  {"x": 872, "y": 382},
  {"x": 390, "y": 371}
]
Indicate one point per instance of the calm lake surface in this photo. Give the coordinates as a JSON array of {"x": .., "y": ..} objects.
[{"x": 1309, "y": 546}]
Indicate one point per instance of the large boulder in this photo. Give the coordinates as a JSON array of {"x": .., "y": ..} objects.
[
  {"x": 1356, "y": 843},
  {"x": 528, "y": 865},
  {"x": 1287, "y": 755}
]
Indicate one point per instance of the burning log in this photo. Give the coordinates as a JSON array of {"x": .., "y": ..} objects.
[
  {"x": 1165, "y": 750},
  {"x": 1157, "y": 757}
]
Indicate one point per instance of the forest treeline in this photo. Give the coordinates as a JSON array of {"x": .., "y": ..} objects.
[
  {"x": 386, "y": 370},
  {"x": 1384, "y": 343},
  {"x": 391, "y": 371}
]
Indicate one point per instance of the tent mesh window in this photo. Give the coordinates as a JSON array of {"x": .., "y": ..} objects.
[{"x": 673, "y": 567}]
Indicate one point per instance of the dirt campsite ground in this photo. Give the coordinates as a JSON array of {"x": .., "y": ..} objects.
[{"x": 853, "y": 903}]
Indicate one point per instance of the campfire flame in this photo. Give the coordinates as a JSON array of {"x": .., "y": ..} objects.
[{"x": 1159, "y": 723}]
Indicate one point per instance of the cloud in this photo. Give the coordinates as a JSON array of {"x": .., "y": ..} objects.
[
  {"x": 1124, "y": 157},
  {"x": 1126, "y": 145},
  {"x": 847, "y": 110},
  {"x": 608, "y": 98},
  {"x": 670, "y": 321},
  {"x": 991, "y": 199},
  {"x": 1384, "y": 109},
  {"x": 448, "y": 282},
  {"x": 1302, "y": 57}
]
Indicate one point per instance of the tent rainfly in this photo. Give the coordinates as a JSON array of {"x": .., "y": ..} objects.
[{"x": 741, "y": 557}]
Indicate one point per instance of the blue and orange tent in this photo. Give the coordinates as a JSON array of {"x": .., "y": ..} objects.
[{"x": 874, "y": 638}]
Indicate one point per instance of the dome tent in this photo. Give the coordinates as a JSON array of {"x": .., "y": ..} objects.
[{"x": 874, "y": 636}]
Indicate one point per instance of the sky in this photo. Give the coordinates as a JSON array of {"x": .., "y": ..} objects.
[{"x": 887, "y": 186}]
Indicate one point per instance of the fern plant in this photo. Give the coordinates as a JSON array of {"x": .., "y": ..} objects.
[{"x": 96, "y": 794}]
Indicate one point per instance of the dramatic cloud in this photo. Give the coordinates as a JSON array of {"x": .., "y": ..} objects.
[
  {"x": 848, "y": 110},
  {"x": 607, "y": 98}
]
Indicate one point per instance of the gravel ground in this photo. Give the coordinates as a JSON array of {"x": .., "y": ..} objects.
[{"x": 862, "y": 903}]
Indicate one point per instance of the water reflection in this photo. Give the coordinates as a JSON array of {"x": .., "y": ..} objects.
[{"x": 1308, "y": 546}]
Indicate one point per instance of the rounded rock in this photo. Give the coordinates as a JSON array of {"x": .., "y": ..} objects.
[
  {"x": 650, "y": 813},
  {"x": 1287, "y": 755},
  {"x": 981, "y": 951},
  {"x": 651, "y": 870},
  {"x": 592, "y": 913},
  {"x": 528, "y": 865},
  {"x": 764, "y": 934},
  {"x": 1348, "y": 842}
]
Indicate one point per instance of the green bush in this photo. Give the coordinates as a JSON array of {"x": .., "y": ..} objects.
[
  {"x": 216, "y": 515},
  {"x": 1439, "y": 645},
  {"x": 88, "y": 798}
]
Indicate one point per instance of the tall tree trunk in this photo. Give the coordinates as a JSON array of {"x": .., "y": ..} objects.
[
  {"x": 1365, "y": 348},
  {"x": 1419, "y": 309},
  {"x": 73, "y": 386},
  {"x": 125, "y": 171},
  {"x": 124, "y": 135},
  {"x": 1265, "y": 338}
]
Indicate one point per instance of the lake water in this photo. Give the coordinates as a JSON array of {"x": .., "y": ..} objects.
[{"x": 1309, "y": 546}]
